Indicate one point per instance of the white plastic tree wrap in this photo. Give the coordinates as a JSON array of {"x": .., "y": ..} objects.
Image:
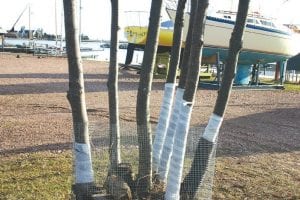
[
  {"x": 163, "y": 122},
  {"x": 212, "y": 129},
  {"x": 177, "y": 158},
  {"x": 169, "y": 138},
  {"x": 83, "y": 163}
]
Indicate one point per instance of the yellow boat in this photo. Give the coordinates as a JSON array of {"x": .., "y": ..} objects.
[{"x": 138, "y": 35}]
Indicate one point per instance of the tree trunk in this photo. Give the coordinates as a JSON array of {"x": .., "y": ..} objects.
[
  {"x": 191, "y": 85},
  {"x": 235, "y": 47},
  {"x": 188, "y": 44},
  {"x": 143, "y": 101},
  {"x": 167, "y": 102},
  {"x": 169, "y": 138},
  {"x": 177, "y": 41},
  {"x": 112, "y": 84},
  {"x": 84, "y": 177},
  {"x": 207, "y": 142}
]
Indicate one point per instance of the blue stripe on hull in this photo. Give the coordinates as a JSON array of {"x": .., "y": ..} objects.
[
  {"x": 246, "y": 57},
  {"x": 251, "y": 26}
]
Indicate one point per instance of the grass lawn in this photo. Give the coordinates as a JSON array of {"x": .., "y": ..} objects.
[
  {"x": 49, "y": 176},
  {"x": 288, "y": 86},
  {"x": 259, "y": 176},
  {"x": 36, "y": 176},
  {"x": 292, "y": 87}
]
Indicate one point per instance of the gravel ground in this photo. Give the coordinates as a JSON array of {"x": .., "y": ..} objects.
[
  {"x": 35, "y": 114},
  {"x": 35, "y": 110}
]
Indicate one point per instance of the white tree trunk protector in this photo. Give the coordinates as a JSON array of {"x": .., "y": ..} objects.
[
  {"x": 83, "y": 163},
  {"x": 167, "y": 149},
  {"x": 163, "y": 122},
  {"x": 177, "y": 158},
  {"x": 115, "y": 129},
  {"x": 212, "y": 129}
]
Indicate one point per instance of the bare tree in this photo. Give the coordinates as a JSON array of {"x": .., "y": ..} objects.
[
  {"x": 177, "y": 41},
  {"x": 169, "y": 138},
  {"x": 191, "y": 85},
  {"x": 84, "y": 177},
  {"x": 112, "y": 84},
  {"x": 207, "y": 142},
  {"x": 188, "y": 45},
  {"x": 165, "y": 111},
  {"x": 143, "y": 100}
]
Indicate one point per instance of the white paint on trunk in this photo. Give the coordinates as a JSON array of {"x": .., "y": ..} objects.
[
  {"x": 166, "y": 153},
  {"x": 212, "y": 129},
  {"x": 116, "y": 147},
  {"x": 83, "y": 163},
  {"x": 177, "y": 158},
  {"x": 163, "y": 123}
]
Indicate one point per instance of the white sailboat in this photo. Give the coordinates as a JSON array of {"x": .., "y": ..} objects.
[{"x": 264, "y": 40}]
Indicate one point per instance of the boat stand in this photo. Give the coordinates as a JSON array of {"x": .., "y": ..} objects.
[{"x": 245, "y": 82}]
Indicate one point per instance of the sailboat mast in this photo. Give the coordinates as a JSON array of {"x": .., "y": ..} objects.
[
  {"x": 55, "y": 13},
  {"x": 61, "y": 28},
  {"x": 80, "y": 21},
  {"x": 29, "y": 18}
]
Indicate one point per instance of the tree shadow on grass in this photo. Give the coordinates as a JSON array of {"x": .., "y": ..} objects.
[
  {"x": 97, "y": 142},
  {"x": 37, "y": 148}
]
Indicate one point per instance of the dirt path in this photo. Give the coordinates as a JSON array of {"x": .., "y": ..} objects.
[{"x": 35, "y": 114}]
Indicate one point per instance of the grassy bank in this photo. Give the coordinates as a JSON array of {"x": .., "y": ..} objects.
[
  {"x": 292, "y": 87},
  {"x": 49, "y": 176},
  {"x": 36, "y": 176}
]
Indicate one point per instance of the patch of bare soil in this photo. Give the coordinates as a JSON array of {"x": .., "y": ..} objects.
[{"x": 260, "y": 135}]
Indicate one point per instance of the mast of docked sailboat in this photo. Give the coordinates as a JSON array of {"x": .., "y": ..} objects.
[
  {"x": 55, "y": 13},
  {"x": 29, "y": 31},
  {"x": 55, "y": 18},
  {"x": 80, "y": 8},
  {"x": 60, "y": 49},
  {"x": 29, "y": 18},
  {"x": 61, "y": 28}
]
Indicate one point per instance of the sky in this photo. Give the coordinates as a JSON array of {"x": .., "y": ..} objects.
[{"x": 96, "y": 14}]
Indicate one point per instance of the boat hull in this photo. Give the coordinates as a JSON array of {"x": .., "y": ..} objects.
[
  {"x": 138, "y": 35},
  {"x": 260, "y": 44}
]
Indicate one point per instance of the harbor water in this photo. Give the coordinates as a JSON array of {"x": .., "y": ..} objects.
[
  {"x": 93, "y": 50},
  {"x": 89, "y": 49}
]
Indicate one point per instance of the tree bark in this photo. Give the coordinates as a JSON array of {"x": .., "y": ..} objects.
[
  {"x": 167, "y": 149},
  {"x": 192, "y": 79},
  {"x": 187, "y": 48},
  {"x": 177, "y": 158},
  {"x": 235, "y": 47},
  {"x": 76, "y": 95},
  {"x": 207, "y": 142},
  {"x": 112, "y": 84},
  {"x": 177, "y": 42},
  {"x": 169, "y": 91},
  {"x": 143, "y": 100}
]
